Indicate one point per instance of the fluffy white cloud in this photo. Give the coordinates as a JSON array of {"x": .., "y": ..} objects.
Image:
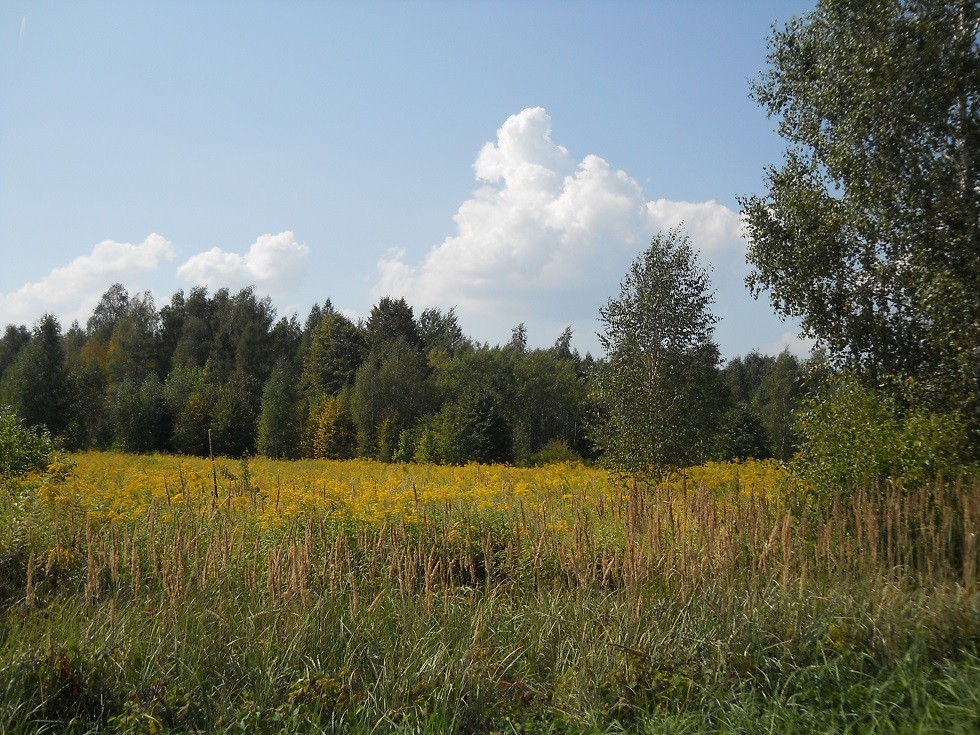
[
  {"x": 271, "y": 262},
  {"x": 545, "y": 240},
  {"x": 799, "y": 346},
  {"x": 72, "y": 291}
]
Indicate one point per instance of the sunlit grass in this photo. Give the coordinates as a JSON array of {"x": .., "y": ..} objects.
[{"x": 158, "y": 593}]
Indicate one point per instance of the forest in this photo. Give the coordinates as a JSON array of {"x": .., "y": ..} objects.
[{"x": 223, "y": 368}]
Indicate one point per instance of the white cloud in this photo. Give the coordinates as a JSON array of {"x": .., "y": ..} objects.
[
  {"x": 545, "y": 240},
  {"x": 271, "y": 262},
  {"x": 799, "y": 346},
  {"x": 715, "y": 228},
  {"x": 72, "y": 291}
]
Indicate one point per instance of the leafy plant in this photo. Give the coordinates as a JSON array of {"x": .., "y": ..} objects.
[
  {"x": 22, "y": 450},
  {"x": 554, "y": 452},
  {"x": 853, "y": 435}
]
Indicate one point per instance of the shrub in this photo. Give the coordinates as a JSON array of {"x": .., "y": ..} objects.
[
  {"x": 554, "y": 452},
  {"x": 852, "y": 435},
  {"x": 22, "y": 450}
]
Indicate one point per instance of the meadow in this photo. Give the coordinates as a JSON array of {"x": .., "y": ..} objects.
[{"x": 161, "y": 594}]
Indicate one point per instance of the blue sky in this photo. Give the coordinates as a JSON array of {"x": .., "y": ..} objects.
[{"x": 507, "y": 158}]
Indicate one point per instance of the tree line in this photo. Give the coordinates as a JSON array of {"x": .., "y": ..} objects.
[{"x": 221, "y": 372}]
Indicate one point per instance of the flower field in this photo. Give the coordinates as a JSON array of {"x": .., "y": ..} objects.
[
  {"x": 172, "y": 594},
  {"x": 118, "y": 487}
]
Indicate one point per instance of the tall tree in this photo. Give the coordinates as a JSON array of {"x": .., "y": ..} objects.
[
  {"x": 241, "y": 335},
  {"x": 36, "y": 383},
  {"x": 286, "y": 338},
  {"x": 477, "y": 393},
  {"x": 440, "y": 330},
  {"x": 388, "y": 398},
  {"x": 134, "y": 347},
  {"x": 254, "y": 345},
  {"x": 336, "y": 350},
  {"x": 141, "y": 421},
  {"x": 391, "y": 321},
  {"x": 518, "y": 338},
  {"x": 658, "y": 389},
  {"x": 189, "y": 318},
  {"x": 90, "y": 425},
  {"x": 870, "y": 231},
  {"x": 191, "y": 403},
  {"x": 317, "y": 313},
  {"x": 330, "y": 431},
  {"x": 280, "y": 422},
  {"x": 470, "y": 428},
  {"x": 743, "y": 375},
  {"x": 778, "y": 399},
  {"x": 549, "y": 401},
  {"x": 562, "y": 349},
  {"x": 235, "y": 415},
  {"x": 107, "y": 312},
  {"x": 13, "y": 340}
]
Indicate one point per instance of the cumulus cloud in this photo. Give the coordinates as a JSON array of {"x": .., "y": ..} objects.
[
  {"x": 545, "y": 239},
  {"x": 799, "y": 346},
  {"x": 72, "y": 291},
  {"x": 271, "y": 262}
]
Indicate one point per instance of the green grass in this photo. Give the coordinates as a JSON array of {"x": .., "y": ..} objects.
[
  {"x": 762, "y": 620},
  {"x": 504, "y": 660}
]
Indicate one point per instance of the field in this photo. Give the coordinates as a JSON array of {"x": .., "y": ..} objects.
[{"x": 158, "y": 594}]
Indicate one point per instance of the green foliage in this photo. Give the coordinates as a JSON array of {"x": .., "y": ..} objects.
[
  {"x": 763, "y": 392},
  {"x": 554, "y": 452},
  {"x": 189, "y": 401},
  {"x": 189, "y": 321},
  {"x": 13, "y": 340},
  {"x": 337, "y": 348},
  {"x": 230, "y": 333},
  {"x": 22, "y": 449},
  {"x": 853, "y": 435},
  {"x": 419, "y": 445},
  {"x": 107, "y": 313},
  {"x": 36, "y": 383},
  {"x": 778, "y": 397},
  {"x": 740, "y": 436},
  {"x": 395, "y": 392},
  {"x": 870, "y": 231},
  {"x": 234, "y": 415},
  {"x": 134, "y": 347},
  {"x": 471, "y": 428},
  {"x": 660, "y": 390},
  {"x": 518, "y": 339},
  {"x": 280, "y": 422},
  {"x": 140, "y": 419},
  {"x": 392, "y": 322},
  {"x": 330, "y": 431},
  {"x": 506, "y": 402},
  {"x": 408, "y": 445},
  {"x": 144, "y": 380},
  {"x": 90, "y": 424},
  {"x": 549, "y": 400},
  {"x": 441, "y": 331}
]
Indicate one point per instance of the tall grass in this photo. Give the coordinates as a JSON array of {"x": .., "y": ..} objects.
[{"x": 579, "y": 607}]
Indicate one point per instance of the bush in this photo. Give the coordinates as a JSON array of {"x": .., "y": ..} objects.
[
  {"x": 554, "y": 452},
  {"x": 853, "y": 435},
  {"x": 22, "y": 450}
]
